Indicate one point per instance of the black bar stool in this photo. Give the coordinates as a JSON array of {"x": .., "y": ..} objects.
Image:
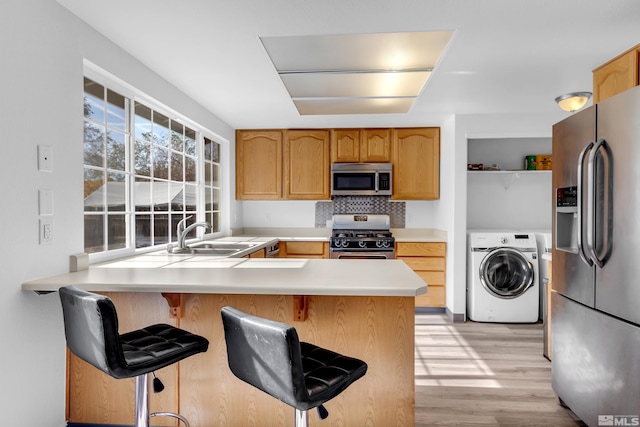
[
  {"x": 91, "y": 330},
  {"x": 268, "y": 355}
]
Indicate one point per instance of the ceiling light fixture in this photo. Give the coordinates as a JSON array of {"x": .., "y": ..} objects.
[{"x": 573, "y": 101}]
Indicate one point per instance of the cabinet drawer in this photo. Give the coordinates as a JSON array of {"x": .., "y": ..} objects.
[
  {"x": 420, "y": 249},
  {"x": 425, "y": 264},
  {"x": 435, "y": 297},
  {"x": 436, "y": 278},
  {"x": 305, "y": 249}
]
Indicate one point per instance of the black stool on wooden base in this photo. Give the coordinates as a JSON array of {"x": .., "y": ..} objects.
[
  {"x": 91, "y": 329},
  {"x": 268, "y": 355}
]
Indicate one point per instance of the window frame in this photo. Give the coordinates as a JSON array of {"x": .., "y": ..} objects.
[{"x": 134, "y": 96}]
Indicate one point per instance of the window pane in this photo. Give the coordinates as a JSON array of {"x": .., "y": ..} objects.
[
  {"x": 160, "y": 196},
  {"x": 208, "y": 199},
  {"x": 177, "y": 139},
  {"x": 142, "y": 195},
  {"x": 215, "y": 152},
  {"x": 190, "y": 170},
  {"x": 93, "y": 190},
  {"x": 116, "y": 110},
  {"x": 116, "y": 154},
  {"x": 216, "y": 199},
  {"x": 177, "y": 197},
  {"x": 143, "y": 231},
  {"x": 190, "y": 197},
  {"x": 142, "y": 160},
  {"x": 93, "y": 145},
  {"x": 116, "y": 192},
  {"x": 189, "y": 141},
  {"x": 160, "y": 163},
  {"x": 143, "y": 122},
  {"x": 216, "y": 175},
  {"x": 93, "y": 233},
  {"x": 214, "y": 220},
  {"x": 93, "y": 100},
  {"x": 175, "y": 219},
  {"x": 208, "y": 180},
  {"x": 160, "y": 129},
  {"x": 177, "y": 173},
  {"x": 207, "y": 149},
  {"x": 160, "y": 229},
  {"x": 117, "y": 232}
]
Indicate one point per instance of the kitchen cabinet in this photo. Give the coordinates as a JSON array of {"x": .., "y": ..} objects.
[
  {"x": 304, "y": 249},
  {"x": 259, "y": 164},
  {"x": 428, "y": 260},
  {"x": 617, "y": 75},
  {"x": 416, "y": 163},
  {"x": 360, "y": 145},
  {"x": 282, "y": 164},
  {"x": 307, "y": 164}
]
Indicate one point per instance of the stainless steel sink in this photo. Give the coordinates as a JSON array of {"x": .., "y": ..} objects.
[{"x": 214, "y": 248}]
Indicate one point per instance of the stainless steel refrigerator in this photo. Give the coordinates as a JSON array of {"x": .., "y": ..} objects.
[{"x": 595, "y": 306}]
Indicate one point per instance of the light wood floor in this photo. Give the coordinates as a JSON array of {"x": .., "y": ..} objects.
[{"x": 483, "y": 374}]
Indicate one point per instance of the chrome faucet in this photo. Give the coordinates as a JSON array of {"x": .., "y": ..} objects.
[{"x": 182, "y": 231}]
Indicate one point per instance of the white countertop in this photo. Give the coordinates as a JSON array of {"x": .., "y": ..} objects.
[{"x": 163, "y": 272}]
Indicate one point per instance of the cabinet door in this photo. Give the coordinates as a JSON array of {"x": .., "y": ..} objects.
[
  {"x": 375, "y": 145},
  {"x": 302, "y": 249},
  {"x": 617, "y": 75},
  {"x": 306, "y": 164},
  {"x": 428, "y": 260},
  {"x": 258, "y": 164},
  {"x": 416, "y": 164},
  {"x": 345, "y": 146}
]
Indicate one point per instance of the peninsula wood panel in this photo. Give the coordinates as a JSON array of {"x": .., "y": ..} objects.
[
  {"x": 378, "y": 330},
  {"x": 416, "y": 163},
  {"x": 428, "y": 260},
  {"x": 259, "y": 164},
  {"x": 307, "y": 164},
  {"x": 617, "y": 75},
  {"x": 96, "y": 398}
]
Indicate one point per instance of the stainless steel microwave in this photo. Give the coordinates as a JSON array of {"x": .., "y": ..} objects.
[{"x": 361, "y": 179}]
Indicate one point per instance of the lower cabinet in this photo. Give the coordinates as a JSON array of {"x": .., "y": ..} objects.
[
  {"x": 296, "y": 249},
  {"x": 428, "y": 260}
]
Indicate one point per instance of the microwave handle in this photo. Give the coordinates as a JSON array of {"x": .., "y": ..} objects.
[{"x": 377, "y": 182}]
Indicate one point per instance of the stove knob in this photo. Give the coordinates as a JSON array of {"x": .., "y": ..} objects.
[
  {"x": 379, "y": 243},
  {"x": 386, "y": 243},
  {"x": 362, "y": 243},
  {"x": 342, "y": 243}
]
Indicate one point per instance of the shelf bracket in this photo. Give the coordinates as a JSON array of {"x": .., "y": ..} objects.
[
  {"x": 300, "y": 307},
  {"x": 176, "y": 304}
]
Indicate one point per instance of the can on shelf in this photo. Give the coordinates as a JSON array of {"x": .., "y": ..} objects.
[{"x": 530, "y": 163}]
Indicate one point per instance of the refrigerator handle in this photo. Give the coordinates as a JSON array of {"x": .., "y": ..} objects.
[
  {"x": 592, "y": 189},
  {"x": 587, "y": 260}
]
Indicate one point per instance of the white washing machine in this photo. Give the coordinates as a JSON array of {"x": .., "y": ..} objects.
[{"x": 502, "y": 277}]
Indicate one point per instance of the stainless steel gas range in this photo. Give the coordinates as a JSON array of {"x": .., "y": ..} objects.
[{"x": 361, "y": 236}]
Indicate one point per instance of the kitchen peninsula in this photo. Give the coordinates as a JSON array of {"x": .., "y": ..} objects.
[{"x": 361, "y": 308}]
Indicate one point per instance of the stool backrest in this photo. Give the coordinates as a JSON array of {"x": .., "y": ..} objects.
[
  {"x": 265, "y": 354},
  {"x": 91, "y": 328}
]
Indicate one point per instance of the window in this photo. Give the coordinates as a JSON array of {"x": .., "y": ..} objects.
[{"x": 141, "y": 173}]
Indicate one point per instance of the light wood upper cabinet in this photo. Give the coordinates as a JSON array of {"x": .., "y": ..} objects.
[
  {"x": 307, "y": 164},
  {"x": 345, "y": 146},
  {"x": 617, "y": 75},
  {"x": 259, "y": 164},
  {"x": 416, "y": 163},
  {"x": 375, "y": 145}
]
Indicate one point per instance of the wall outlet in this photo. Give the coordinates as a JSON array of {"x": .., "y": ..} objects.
[
  {"x": 45, "y": 158},
  {"x": 46, "y": 230}
]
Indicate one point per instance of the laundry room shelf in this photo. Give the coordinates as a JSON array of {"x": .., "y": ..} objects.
[{"x": 509, "y": 177}]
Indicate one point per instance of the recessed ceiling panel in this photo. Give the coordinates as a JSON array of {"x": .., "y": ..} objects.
[
  {"x": 356, "y": 73},
  {"x": 329, "y": 106},
  {"x": 354, "y": 84},
  {"x": 381, "y": 51}
]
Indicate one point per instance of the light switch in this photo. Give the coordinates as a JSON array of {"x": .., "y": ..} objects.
[{"x": 45, "y": 202}]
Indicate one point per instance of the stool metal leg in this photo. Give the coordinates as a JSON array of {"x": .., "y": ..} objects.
[
  {"x": 302, "y": 418},
  {"x": 171, "y": 414},
  {"x": 142, "y": 401}
]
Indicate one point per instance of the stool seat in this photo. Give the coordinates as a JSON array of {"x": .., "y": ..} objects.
[
  {"x": 91, "y": 331},
  {"x": 269, "y": 356}
]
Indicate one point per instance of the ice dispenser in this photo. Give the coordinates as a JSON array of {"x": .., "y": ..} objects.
[{"x": 567, "y": 219}]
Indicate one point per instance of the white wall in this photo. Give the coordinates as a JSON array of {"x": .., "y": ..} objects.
[{"x": 42, "y": 47}]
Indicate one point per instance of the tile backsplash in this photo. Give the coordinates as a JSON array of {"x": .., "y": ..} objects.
[{"x": 358, "y": 205}]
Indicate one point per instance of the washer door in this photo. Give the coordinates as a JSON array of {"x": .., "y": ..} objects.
[{"x": 506, "y": 273}]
